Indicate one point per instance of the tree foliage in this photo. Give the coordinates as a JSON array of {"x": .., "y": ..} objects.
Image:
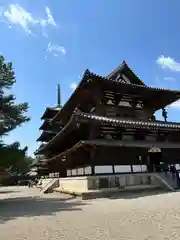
[
  {"x": 11, "y": 114},
  {"x": 14, "y": 159}
]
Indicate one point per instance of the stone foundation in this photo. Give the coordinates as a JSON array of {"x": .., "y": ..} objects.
[{"x": 121, "y": 181}]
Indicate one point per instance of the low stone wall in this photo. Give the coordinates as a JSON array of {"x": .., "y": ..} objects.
[
  {"x": 121, "y": 181},
  {"x": 79, "y": 184}
]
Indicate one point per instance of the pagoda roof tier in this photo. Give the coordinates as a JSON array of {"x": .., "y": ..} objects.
[
  {"x": 48, "y": 125},
  {"x": 80, "y": 118},
  {"x": 50, "y": 112},
  {"x": 46, "y": 136},
  {"x": 115, "y": 143},
  {"x": 40, "y": 147},
  {"x": 154, "y": 98}
]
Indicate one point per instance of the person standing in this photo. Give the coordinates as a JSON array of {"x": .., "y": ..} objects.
[{"x": 173, "y": 170}]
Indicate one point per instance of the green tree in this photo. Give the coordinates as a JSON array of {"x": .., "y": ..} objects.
[
  {"x": 14, "y": 159},
  {"x": 12, "y": 115}
]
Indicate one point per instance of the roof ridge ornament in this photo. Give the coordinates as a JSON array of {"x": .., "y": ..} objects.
[
  {"x": 86, "y": 73},
  {"x": 164, "y": 114}
]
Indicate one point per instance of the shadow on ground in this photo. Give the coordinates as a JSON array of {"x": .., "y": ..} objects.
[
  {"x": 8, "y": 191},
  {"x": 137, "y": 194},
  {"x": 35, "y": 206}
]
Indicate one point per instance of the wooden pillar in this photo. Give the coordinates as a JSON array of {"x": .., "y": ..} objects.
[
  {"x": 92, "y": 154},
  {"x": 92, "y": 170},
  {"x": 113, "y": 169}
]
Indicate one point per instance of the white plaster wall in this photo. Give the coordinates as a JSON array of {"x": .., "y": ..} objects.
[
  {"x": 88, "y": 170},
  {"x": 74, "y": 172},
  {"x": 144, "y": 168},
  {"x": 103, "y": 169},
  {"x": 139, "y": 168},
  {"x": 80, "y": 171},
  {"x": 178, "y": 166},
  {"x": 122, "y": 168},
  {"x": 136, "y": 168}
]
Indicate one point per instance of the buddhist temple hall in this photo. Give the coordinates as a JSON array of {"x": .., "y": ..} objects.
[{"x": 106, "y": 135}]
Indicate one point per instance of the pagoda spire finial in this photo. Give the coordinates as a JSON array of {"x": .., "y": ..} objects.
[{"x": 59, "y": 96}]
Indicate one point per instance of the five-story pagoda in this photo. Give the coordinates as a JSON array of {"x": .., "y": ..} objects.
[{"x": 48, "y": 132}]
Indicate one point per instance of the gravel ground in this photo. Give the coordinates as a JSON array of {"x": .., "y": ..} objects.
[{"x": 24, "y": 214}]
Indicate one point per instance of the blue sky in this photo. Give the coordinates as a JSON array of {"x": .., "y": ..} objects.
[{"x": 52, "y": 42}]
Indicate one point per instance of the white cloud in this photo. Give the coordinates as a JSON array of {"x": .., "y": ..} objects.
[
  {"x": 168, "y": 63},
  {"x": 16, "y": 15},
  {"x": 73, "y": 86},
  {"x": 56, "y": 50}
]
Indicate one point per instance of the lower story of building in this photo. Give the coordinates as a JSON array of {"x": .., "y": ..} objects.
[{"x": 98, "y": 160}]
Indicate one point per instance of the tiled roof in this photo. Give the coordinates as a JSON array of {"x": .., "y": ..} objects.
[
  {"x": 46, "y": 135},
  {"x": 127, "y": 123},
  {"x": 130, "y": 84},
  {"x": 50, "y": 110},
  {"x": 130, "y": 122},
  {"x": 88, "y": 77}
]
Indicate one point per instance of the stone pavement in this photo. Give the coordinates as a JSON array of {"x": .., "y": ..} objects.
[
  {"x": 26, "y": 214},
  {"x": 18, "y": 191}
]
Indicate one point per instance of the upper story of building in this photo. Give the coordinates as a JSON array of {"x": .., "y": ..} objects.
[{"x": 120, "y": 94}]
